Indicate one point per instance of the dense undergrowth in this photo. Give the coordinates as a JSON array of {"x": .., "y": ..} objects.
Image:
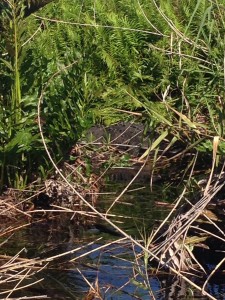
[
  {"x": 66, "y": 65},
  {"x": 92, "y": 60}
]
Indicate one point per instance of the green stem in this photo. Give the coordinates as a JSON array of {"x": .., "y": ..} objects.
[{"x": 17, "y": 89}]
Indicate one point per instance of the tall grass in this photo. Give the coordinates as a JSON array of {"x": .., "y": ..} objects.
[{"x": 164, "y": 60}]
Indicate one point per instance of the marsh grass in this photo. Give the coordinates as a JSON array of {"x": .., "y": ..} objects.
[
  {"x": 177, "y": 82},
  {"x": 157, "y": 254},
  {"x": 141, "y": 277},
  {"x": 51, "y": 92}
]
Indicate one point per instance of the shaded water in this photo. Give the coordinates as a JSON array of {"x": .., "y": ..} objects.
[{"x": 113, "y": 268}]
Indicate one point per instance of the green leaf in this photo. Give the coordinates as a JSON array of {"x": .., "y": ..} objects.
[
  {"x": 7, "y": 63},
  {"x": 155, "y": 144},
  {"x": 21, "y": 141}
]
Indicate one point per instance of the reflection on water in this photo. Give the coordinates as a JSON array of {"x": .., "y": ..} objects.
[{"x": 116, "y": 269}]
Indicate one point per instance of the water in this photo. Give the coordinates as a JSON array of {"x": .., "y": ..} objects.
[{"x": 115, "y": 268}]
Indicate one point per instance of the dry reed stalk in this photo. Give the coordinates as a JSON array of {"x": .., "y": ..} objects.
[
  {"x": 105, "y": 217},
  {"x": 11, "y": 208},
  {"x": 16, "y": 270},
  {"x": 94, "y": 289},
  {"x": 183, "y": 221},
  {"x": 96, "y": 25},
  {"x": 99, "y": 248},
  {"x": 126, "y": 188},
  {"x": 169, "y": 248},
  {"x": 212, "y": 273},
  {"x": 16, "y": 228},
  {"x": 208, "y": 233},
  {"x": 138, "y": 270},
  {"x": 16, "y": 288},
  {"x": 30, "y": 298}
]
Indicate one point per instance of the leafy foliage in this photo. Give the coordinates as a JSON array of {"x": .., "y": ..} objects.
[{"x": 161, "y": 57}]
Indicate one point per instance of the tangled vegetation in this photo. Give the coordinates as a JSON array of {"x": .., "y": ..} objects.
[
  {"x": 67, "y": 65},
  {"x": 98, "y": 58}
]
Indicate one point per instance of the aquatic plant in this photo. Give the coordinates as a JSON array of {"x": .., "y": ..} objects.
[
  {"x": 101, "y": 62},
  {"x": 34, "y": 48},
  {"x": 168, "y": 68}
]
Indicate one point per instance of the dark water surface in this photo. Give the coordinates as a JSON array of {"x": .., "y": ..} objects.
[{"x": 116, "y": 270}]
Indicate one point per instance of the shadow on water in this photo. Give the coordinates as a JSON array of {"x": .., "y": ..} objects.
[{"x": 115, "y": 269}]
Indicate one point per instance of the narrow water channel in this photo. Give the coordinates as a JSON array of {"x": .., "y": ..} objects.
[{"x": 115, "y": 270}]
